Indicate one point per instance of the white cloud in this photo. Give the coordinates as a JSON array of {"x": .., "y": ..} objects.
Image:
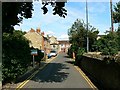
[
  {"x": 49, "y": 33},
  {"x": 74, "y": 13},
  {"x": 63, "y": 37}
]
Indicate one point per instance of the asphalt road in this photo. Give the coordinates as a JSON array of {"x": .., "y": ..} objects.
[{"x": 59, "y": 73}]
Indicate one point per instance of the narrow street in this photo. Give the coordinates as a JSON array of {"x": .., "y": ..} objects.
[{"x": 59, "y": 73}]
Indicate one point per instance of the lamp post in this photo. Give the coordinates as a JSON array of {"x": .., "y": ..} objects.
[
  {"x": 111, "y": 15},
  {"x": 87, "y": 26}
]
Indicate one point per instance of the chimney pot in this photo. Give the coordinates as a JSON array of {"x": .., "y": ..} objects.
[
  {"x": 32, "y": 30},
  {"x": 38, "y": 30},
  {"x": 42, "y": 33}
]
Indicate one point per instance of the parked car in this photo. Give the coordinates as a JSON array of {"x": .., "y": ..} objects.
[{"x": 53, "y": 53}]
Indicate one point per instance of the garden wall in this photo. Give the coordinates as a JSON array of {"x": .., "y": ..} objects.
[{"x": 107, "y": 74}]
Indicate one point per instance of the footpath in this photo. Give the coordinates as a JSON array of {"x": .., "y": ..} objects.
[{"x": 30, "y": 71}]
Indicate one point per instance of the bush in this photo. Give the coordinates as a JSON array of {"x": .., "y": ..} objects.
[
  {"x": 72, "y": 49},
  {"x": 70, "y": 52},
  {"x": 107, "y": 44},
  {"x": 80, "y": 52},
  {"x": 15, "y": 57}
]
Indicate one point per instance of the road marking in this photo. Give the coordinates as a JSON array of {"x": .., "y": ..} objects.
[
  {"x": 86, "y": 78},
  {"x": 28, "y": 79}
]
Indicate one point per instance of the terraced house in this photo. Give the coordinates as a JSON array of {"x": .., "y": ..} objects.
[
  {"x": 35, "y": 37},
  {"x": 42, "y": 42}
]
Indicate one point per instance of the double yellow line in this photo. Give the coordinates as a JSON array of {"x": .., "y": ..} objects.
[
  {"x": 28, "y": 79},
  {"x": 86, "y": 78}
]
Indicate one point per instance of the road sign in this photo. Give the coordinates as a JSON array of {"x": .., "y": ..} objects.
[{"x": 34, "y": 52}]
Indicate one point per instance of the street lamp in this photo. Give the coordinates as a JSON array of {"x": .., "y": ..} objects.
[
  {"x": 111, "y": 15},
  {"x": 87, "y": 26}
]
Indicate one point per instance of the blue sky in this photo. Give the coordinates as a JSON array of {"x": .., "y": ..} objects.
[{"x": 98, "y": 13}]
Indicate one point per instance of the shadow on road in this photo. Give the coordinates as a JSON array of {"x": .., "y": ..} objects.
[
  {"x": 67, "y": 56},
  {"x": 71, "y": 62},
  {"x": 54, "y": 72}
]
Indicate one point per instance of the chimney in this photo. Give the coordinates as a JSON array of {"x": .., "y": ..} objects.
[
  {"x": 32, "y": 30},
  {"x": 42, "y": 33},
  {"x": 38, "y": 30}
]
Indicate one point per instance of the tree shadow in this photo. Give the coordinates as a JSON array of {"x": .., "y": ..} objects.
[
  {"x": 54, "y": 72},
  {"x": 71, "y": 62},
  {"x": 68, "y": 61},
  {"x": 67, "y": 56}
]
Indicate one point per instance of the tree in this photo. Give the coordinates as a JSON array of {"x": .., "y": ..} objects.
[
  {"x": 92, "y": 34},
  {"x": 14, "y": 12},
  {"x": 116, "y": 13},
  {"x": 78, "y": 35},
  {"x": 107, "y": 44},
  {"x": 58, "y": 7},
  {"x": 118, "y": 33}
]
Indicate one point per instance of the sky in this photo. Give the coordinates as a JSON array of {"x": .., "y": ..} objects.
[{"x": 98, "y": 16}]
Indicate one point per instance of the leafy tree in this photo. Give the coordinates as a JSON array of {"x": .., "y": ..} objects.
[
  {"x": 72, "y": 49},
  {"x": 116, "y": 13},
  {"x": 108, "y": 44},
  {"x": 118, "y": 33},
  {"x": 58, "y": 7},
  {"x": 14, "y": 12},
  {"x": 92, "y": 34},
  {"x": 16, "y": 55},
  {"x": 79, "y": 55},
  {"x": 77, "y": 37},
  {"x": 78, "y": 34}
]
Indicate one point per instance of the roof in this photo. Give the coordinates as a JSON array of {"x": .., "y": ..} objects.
[
  {"x": 63, "y": 41},
  {"x": 54, "y": 44}
]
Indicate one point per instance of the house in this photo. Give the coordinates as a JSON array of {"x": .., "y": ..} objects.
[
  {"x": 47, "y": 47},
  {"x": 54, "y": 43},
  {"x": 35, "y": 38},
  {"x": 38, "y": 40},
  {"x": 64, "y": 45}
]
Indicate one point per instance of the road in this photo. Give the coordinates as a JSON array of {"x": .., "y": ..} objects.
[{"x": 59, "y": 73}]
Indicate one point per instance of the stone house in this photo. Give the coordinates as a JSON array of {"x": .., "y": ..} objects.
[
  {"x": 47, "y": 47},
  {"x": 35, "y": 37},
  {"x": 38, "y": 40}
]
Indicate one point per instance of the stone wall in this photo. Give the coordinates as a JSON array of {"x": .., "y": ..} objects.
[{"x": 104, "y": 73}]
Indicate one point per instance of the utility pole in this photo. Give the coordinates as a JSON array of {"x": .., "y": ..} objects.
[
  {"x": 112, "y": 28},
  {"x": 87, "y": 26}
]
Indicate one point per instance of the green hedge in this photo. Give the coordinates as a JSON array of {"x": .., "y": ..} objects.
[{"x": 15, "y": 56}]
